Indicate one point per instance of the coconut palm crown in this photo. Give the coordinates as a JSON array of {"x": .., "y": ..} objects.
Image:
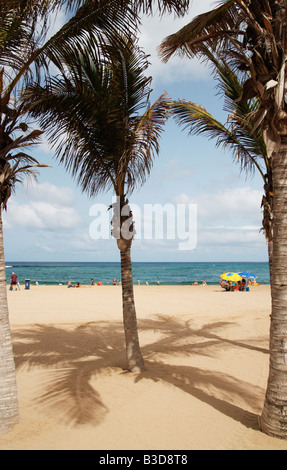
[{"x": 254, "y": 34}]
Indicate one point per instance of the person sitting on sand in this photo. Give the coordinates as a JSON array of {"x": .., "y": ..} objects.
[
  {"x": 70, "y": 284},
  {"x": 204, "y": 282},
  {"x": 243, "y": 285},
  {"x": 195, "y": 283},
  {"x": 227, "y": 286}
]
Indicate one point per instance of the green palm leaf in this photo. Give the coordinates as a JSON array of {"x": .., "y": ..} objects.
[
  {"x": 210, "y": 28},
  {"x": 92, "y": 116},
  {"x": 198, "y": 121}
]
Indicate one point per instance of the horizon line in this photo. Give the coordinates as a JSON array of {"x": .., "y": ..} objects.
[{"x": 104, "y": 261}]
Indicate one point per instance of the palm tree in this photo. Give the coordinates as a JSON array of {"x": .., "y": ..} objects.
[
  {"x": 20, "y": 50},
  {"x": 254, "y": 34},
  {"x": 24, "y": 54},
  {"x": 92, "y": 115},
  {"x": 15, "y": 164},
  {"x": 237, "y": 135}
]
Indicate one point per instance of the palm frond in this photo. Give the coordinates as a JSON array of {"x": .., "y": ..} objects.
[
  {"x": 143, "y": 143},
  {"x": 10, "y": 175},
  {"x": 179, "y": 7},
  {"x": 209, "y": 28},
  {"x": 91, "y": 113},
  {"x": 16, "y": 136},
  {"x": 16, "y": 40},
  {"x": 197, "y": 121}
]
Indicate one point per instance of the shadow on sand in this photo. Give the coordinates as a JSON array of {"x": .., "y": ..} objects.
[{"x": 70, "y": 357}]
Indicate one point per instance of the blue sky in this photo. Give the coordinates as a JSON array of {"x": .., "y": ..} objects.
[{"x": 51, "y": 221}]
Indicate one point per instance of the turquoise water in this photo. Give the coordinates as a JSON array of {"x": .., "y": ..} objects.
[{"x": 55, "y": 273}]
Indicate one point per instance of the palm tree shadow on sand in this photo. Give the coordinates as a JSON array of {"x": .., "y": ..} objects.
[{"x": 71, "y": 358}]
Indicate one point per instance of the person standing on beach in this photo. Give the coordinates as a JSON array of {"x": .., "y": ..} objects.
[{"x": 14, "y": 281}]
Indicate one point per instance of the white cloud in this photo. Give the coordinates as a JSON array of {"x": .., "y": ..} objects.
[
  {"x": 234, "y": 236},
  {"x": 174, "y": 171},
  {"x": 23, "y": 215},
  {"x": 227, "y": 205},
  {"x": 44, "y": 247},
  {"x": 229, "y": 220},
  {"x": 83, "y": 242},
  {"x": 47, "y": 207},
  {"x": 58, "y": 195}
]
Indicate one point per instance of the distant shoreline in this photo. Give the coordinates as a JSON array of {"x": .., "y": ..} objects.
[
  {"x": 168, "y": 273},
  {"x": 64, "y": 263},
  {"x": 151, "y": 285}
]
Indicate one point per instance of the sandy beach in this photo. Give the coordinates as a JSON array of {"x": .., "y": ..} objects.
[{"x": 206, "y": 354}]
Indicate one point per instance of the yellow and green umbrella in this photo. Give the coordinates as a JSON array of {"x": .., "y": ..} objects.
[{"x": 231, "y": 277}]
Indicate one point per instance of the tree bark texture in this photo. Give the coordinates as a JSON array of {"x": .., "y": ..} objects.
[
  {"x": 274, "y": 415},
  {"x": 123, "y": 230},
  {"x": 9, "y": 411},
  {"x": 135, "y": 361},
  {"x": 270, "y": 258}
]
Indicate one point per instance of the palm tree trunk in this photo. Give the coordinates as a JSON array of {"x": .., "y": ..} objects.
[
  {"x": 270, "y": 258},
  {"x": 267, "y": 222},
  {"x": 123, "y": 231},
  {"x": 135, "y": 361},
  {"x": 9, "y": 412},
  {"x": 274, "y": 415}
]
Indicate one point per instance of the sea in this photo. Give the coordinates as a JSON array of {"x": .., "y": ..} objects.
[{"x": 167, "y": 273}]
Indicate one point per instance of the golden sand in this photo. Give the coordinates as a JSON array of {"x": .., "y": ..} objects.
[{"x": 206, "y": 353}]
